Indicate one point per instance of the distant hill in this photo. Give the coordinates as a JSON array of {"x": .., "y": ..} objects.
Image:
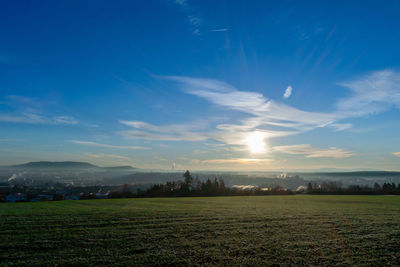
[
  {"x": 120, "y": 168},
  {"x": 56, "y": 164}
]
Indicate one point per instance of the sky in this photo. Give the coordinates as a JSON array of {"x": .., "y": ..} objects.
[{"x": 202, "y": 85}]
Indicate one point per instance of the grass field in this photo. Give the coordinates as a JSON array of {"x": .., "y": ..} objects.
[{"x": 286, "y": 230}]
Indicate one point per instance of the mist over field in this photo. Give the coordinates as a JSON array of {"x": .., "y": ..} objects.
[{"x": 85, "y": 174}]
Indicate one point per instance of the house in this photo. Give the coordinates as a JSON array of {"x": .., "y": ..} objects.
[
  {"x": 71, "y": 197},
  {"x": 62, "y": 192},
  {"x": 4, "y": 187},
  {"x": 43, "y": 197},
  {"x": 301, "y": 189},
  {"x": 46, "y": 196},
  {"x": 16, "y": 198},
  {"x": 102, "y": 195}
]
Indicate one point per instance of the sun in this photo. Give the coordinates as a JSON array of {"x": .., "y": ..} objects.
[{"x": 255, "y": 142}]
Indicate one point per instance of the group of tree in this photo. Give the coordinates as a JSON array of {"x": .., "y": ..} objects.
[
  {"x": 192, "y": 186},
  {"x": 336, "y": 188}
]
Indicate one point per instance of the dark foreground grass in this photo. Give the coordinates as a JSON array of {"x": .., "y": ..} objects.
[{"x": 285, "y": 230}]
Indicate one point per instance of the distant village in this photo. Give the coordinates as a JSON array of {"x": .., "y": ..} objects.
[
  {"x": 12, "y": 193},
  {"x": 189, "y": 186},
  {"x": 16, "y": 193}
]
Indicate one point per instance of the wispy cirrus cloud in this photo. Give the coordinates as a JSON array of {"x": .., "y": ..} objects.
[
  {"x": 22, "y": 109},
  {"x": 22, "y": 118},
  {"x": 265, "y": 115},
  {"x": 372, "y": 93},
  {"x": 194, "y": 131},
  {"x": 311, "y": 152},
  {"x": 193, "y": 18},
  {"x": 94, "y": 144},
  {"x": 264, "y": 112},
  {"x": 33, "y": 118}
]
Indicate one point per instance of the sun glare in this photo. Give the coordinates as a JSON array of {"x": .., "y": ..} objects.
[{"x": 255, "y": 142}]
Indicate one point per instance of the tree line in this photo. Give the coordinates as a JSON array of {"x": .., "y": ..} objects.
[
  {"x": 336, "y": 188},
  {"x": 192, "y": 186}
]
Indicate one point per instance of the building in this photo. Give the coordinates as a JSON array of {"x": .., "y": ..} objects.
[
  {"x": 16, "y": 197},
  {"x": 102, "y": 195},
  {"x": 43, "y": 197},
  {"x": 71, "y": 197}
]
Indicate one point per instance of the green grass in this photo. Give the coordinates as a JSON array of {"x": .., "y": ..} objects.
[{"x": 286, "y": 230}]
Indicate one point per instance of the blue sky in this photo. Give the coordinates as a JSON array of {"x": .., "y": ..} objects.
[{"x": 201, "y": 85}]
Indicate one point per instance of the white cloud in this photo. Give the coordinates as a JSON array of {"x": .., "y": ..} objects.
[
  {"x": 397, "y": 154},
  {"x": 341, "y": 126},
  {"x": 65, "y": 120},
  {"x": 88, "y": 143},
  {"x": 311, "y": 152},
  {"x": 141, "y": 125},
  {"x": 288, "y": 92}
]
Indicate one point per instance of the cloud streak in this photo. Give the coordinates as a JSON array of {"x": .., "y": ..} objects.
[
  {"x": 236, "y": 160},
  {"x": 32, "y": 118},
  {"x": 194, "y": 20},
  {"x": 94, "y": 144},
  {"x": 194, "y": 131},
  {"x": 31, "y": 111},
  {"x": 220, "y": 30},
  {"x": 310, "y": 152}
]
